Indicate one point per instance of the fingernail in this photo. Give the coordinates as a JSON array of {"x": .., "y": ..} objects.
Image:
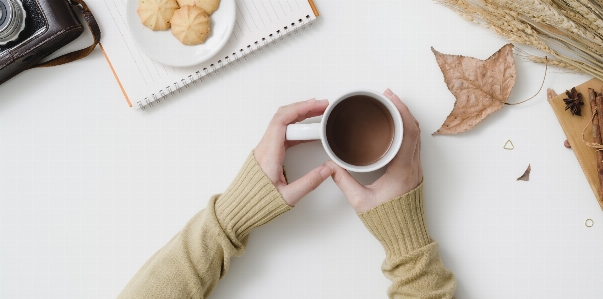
[
  {"x": 322, "y": 101},
  {"x": 326, "y": 172},
  {"x": 388, "y": 92},
  {"x": 329, "y": 164}
]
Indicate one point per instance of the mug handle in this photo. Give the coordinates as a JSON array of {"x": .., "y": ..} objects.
[{"x": 303, "y": 131}]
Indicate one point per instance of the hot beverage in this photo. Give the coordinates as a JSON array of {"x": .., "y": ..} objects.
[{"x": 360, "y": 130}]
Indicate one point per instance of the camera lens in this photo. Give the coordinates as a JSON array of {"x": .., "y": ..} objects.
[
  {"x": 3, "y": 13},
  {"x": 12, "y": 20}
]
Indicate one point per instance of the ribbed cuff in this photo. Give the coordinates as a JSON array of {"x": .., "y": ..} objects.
[
  {"x": 399, "y": 224},
  {"x": 250, "y": 201}
]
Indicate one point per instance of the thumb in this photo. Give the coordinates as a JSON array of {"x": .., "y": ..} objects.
[
  {"x": 350, "y": 187},
  {"x": 294, "y": 192}
]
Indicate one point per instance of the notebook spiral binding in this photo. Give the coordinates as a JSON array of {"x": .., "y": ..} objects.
[{"x": 243, "y": 54}]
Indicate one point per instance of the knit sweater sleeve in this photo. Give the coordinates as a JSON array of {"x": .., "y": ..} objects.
[
  {"x": 192, "y": 262},
  {"x": 412, "y": 259}
]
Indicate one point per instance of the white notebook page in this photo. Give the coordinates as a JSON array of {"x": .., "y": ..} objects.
[{"x": 144, "y": 80}]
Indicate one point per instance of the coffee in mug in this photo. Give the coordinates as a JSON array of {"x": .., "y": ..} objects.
[{"x": 360, "y": 131}]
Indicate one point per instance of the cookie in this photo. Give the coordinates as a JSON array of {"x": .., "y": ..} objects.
[
  {"x": 156, "y": 14},
  {"x": 190, "y": 25},
  {"x": 208, "y": 5},
  {"x": 186, "y": 2}
]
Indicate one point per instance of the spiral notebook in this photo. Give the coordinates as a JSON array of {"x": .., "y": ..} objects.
[{"x": 145, "y": 83}]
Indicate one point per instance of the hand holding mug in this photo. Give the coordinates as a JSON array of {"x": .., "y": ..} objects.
[
  {"x": 360, "y": 131},
  {"x": 403, "y": 173},
  {"x": 270, "y": 152}
]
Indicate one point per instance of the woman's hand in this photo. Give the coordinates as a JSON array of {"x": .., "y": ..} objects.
[
  {"x": 403, "y": 173},
  {"x": 270, "y": 152}
]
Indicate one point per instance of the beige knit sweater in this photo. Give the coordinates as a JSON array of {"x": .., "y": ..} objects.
[{"x": 191, "y": 264}]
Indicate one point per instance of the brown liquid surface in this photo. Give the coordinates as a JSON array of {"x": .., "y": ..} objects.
[{"x": 360, "y": 130}]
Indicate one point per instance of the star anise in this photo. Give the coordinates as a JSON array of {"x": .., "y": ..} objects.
[{"x": 573, "y": 101}]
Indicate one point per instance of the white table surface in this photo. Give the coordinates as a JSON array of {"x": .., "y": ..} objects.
[{"x": 90, "y": 188}]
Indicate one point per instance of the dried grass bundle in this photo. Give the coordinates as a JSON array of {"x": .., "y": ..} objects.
[{"x": 571, "y": 31}]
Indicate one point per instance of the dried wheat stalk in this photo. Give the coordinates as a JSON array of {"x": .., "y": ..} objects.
[{"x": 576, "y": 26}]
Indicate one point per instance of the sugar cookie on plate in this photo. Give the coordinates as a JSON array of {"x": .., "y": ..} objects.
[
  {"x": 190, "y": 25},
  {"x": 186, "y": 2},
  {"x": 208, "y": 5},
  {"x": 156, "y": 14}
]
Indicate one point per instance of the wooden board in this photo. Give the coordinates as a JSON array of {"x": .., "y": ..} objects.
[{"x": 573, "y": 125}]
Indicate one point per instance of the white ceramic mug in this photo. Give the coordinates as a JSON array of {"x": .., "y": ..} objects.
[{"x": 316, "y": 131}]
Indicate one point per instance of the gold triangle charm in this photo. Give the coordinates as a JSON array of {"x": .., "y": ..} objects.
[{"x": 509, "y": 145}]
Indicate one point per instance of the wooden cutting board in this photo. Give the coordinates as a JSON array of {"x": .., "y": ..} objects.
[{"x": 573, "y": 125}]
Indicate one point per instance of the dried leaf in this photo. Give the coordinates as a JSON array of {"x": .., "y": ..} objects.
[
  {"x": 481, "y": 87},
  {"x": 526, "y": 175}
]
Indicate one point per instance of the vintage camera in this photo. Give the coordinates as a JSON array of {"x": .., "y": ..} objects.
[{"x": 33, "y": 29}]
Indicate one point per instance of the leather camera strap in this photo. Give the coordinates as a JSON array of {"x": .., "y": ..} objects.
[{"x": 75, "y": 55}]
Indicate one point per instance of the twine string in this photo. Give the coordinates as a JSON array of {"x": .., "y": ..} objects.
[{"x": 546, "y": 67}]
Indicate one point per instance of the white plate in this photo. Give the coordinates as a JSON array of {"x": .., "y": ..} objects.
[{"x": 164, "y": 47}]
